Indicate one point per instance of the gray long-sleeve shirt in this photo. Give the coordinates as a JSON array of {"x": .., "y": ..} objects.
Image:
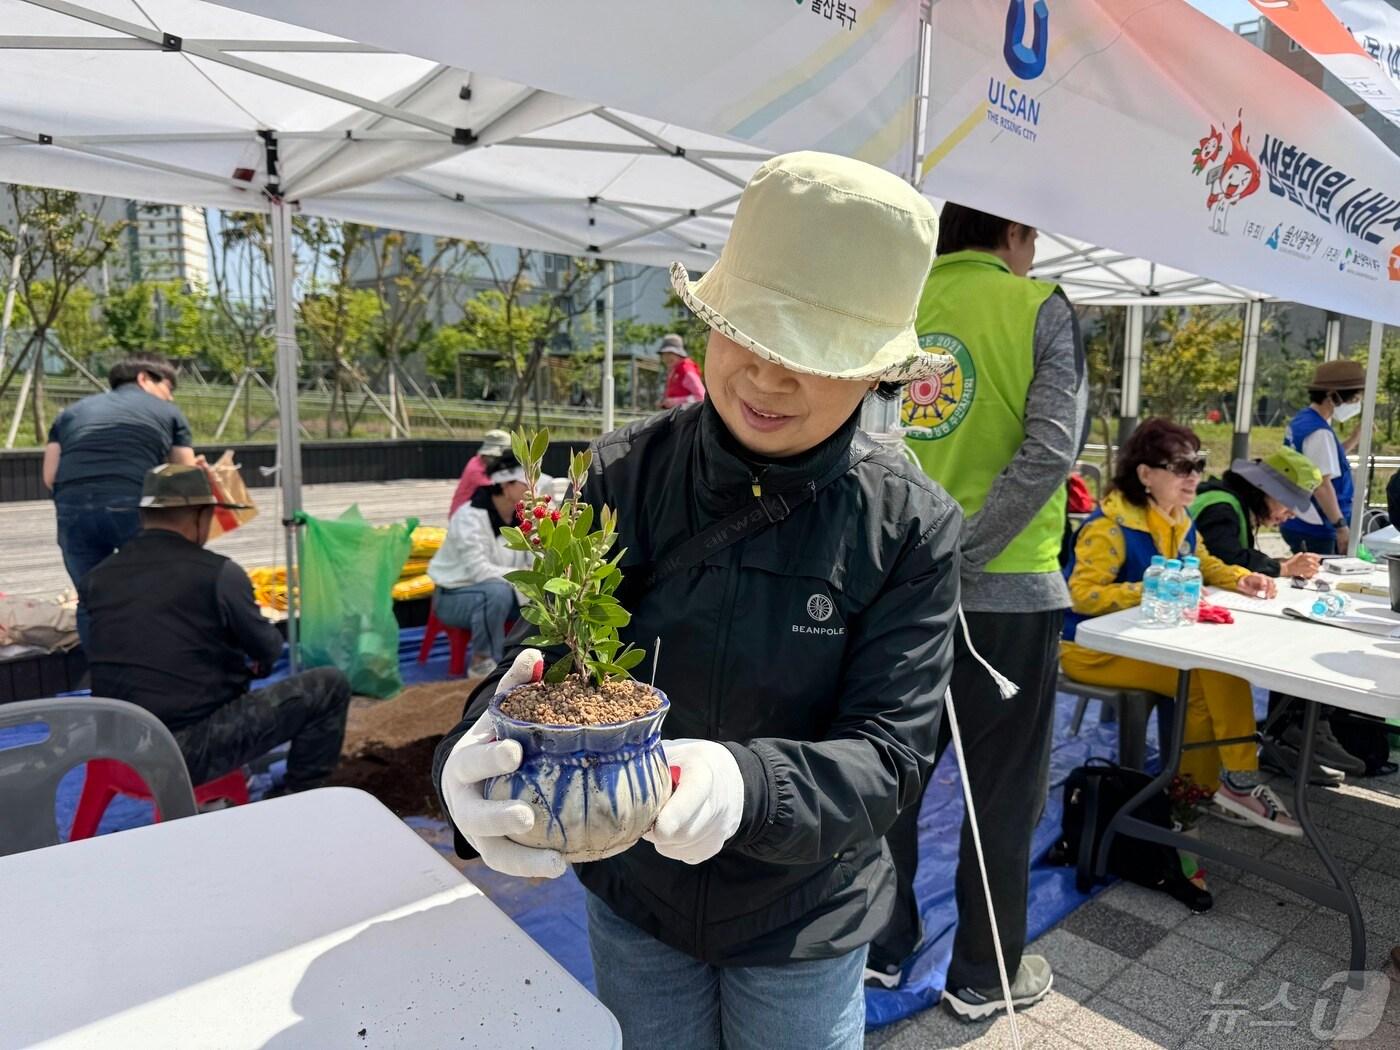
[{"x": 1055, "y": 426}]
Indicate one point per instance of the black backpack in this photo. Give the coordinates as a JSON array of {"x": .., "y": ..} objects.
[{"x": 1094, "y": 792}]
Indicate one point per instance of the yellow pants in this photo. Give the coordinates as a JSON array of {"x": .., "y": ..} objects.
[{"x": 1220, "y": 706}]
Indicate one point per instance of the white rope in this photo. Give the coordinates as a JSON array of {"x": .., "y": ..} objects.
[{"x": 982, "y": 860}]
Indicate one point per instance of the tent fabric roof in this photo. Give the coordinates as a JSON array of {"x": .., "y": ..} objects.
[{"x": 179, "y": 101}]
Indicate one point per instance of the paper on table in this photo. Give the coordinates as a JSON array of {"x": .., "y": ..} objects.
[{"x": 1361, "y": 624}]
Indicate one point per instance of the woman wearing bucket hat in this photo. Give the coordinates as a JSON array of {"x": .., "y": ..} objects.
[
  {"x": 804, "y": 584},
  {"x": 1252, "y": 494},
  {"x": 474, "y": 475},
  {"x": 683, "y": 383}
]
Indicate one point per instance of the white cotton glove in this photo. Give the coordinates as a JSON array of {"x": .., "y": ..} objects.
[
  {"x": 704, "y": 811},
  {"x": 477, "y": 757}
]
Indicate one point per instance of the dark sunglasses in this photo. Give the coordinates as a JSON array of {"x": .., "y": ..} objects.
[{"x": 1184, "y": 468}]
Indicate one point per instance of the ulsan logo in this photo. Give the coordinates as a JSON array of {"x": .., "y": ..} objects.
[{"x": 1027, "y": 62}]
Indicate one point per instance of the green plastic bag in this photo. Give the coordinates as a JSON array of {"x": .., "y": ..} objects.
[{"x": 348, "y": 568}]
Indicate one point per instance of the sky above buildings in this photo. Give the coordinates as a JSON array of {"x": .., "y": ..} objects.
[{"x": 1226, "y": 11}]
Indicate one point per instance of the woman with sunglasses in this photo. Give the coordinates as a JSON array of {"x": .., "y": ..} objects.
[{"x": 1145, "y": 514}]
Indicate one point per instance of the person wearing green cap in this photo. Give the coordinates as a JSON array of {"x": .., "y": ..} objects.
[{"x": 1252, "y": 494}]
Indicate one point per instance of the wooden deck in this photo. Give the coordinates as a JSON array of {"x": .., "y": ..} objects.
[{"x": 31, "y": 565}]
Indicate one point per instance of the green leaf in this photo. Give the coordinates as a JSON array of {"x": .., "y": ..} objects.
[
  {"x": 613, "y": 615},
  {"x": 514, "y": 537},
  {"x": 562, "y": 587},
  {"x": 585, "y": 521},
  {"x": 541, "y": 443},
  {"x": 536, "y": 615},
  {"x": 539, "y": 639},
  {"x": 526, "y": 577},
  {"x": 561, "y": 539},
  {"x": 607, "y": 647},
  {"x": 561, "y": 669},
  {"x": 630, "y": 659},
  {"x": 519, "y": 447}
]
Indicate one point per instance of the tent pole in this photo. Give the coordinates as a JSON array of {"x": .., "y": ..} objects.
[
  {"x": 10, "y": 290},
  {"x": 1130, "y": 397},
  {"x": 1368, "y": 424},
  {"x": 1332, "y": 348},
  {"x": 1249, "y": 360},
  {"x": 608, "y": 348},
  {"x": 22, "y": 399},
  {"x": 288, "y": 433}
]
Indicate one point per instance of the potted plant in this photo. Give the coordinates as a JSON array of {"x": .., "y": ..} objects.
[{"x": 592, "y": 767}]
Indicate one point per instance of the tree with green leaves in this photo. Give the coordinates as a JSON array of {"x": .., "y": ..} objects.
[
  {"x": 63, "y": 243},
  {"x": 1191, "y": 357}
]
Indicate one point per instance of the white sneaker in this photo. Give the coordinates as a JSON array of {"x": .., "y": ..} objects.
[{"x": 481, "y": 667}]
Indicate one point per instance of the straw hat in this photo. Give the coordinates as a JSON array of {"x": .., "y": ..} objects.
[
  {"x": 174, "y": 485},
  {"x": 823, "y": 269}
]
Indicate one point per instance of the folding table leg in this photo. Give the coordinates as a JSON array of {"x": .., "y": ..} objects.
[
  {"x": 1339, "y": 877},
  {"x": 1171, "y": 757}
]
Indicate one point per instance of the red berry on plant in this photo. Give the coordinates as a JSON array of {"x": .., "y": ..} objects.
[
  {"x": 535, "y": 540},
  {"x": 539, "y": 512},
  {"x": 526, "y": 525},
  {"x": 554, "y": 515}
]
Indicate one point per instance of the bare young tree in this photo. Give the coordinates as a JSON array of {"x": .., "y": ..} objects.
[{"x": 62, "y": 245}]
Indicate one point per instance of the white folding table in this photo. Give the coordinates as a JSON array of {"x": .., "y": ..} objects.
[
  {"x": 1318, "y": 663},
  {"x": 315, "y": 920}
]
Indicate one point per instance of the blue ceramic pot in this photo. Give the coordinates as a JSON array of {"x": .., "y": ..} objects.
[{"x": 595, "y": 789}]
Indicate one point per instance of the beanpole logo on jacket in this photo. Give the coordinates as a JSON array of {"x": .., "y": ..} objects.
[
  {"x": 1026, "y": 61},
  {"x": 819, "y": 609},
  {"x": 936, "y": 406}
]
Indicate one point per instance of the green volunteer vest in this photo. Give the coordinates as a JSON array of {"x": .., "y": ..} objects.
[
  {"x": 982, "y": 315},
  {"x": 1210, "y": 499}
]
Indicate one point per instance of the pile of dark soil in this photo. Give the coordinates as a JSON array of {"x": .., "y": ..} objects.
[
  {"x": 400, "y": 776},
  {"x": 575, "y": 703}
]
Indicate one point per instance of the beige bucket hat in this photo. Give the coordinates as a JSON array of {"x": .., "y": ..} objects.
[{"x": 823, "y": 269}]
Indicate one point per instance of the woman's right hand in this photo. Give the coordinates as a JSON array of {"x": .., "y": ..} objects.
[
  {"x": 1303, "y": 565},
  {"x": 478, "y": 757}
]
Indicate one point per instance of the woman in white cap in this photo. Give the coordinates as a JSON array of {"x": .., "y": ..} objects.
[
  {"x": 474, "y": 473},
  {"x": 805, "y": 586}
]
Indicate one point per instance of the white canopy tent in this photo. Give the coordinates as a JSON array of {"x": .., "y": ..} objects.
[{"x": 186, "y": 102}]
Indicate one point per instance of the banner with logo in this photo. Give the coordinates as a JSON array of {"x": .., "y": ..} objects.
[
  {"x": 1357, "y": 41},
  {"x": 834, "y": 75},
  {"x": 1148, "y": 127}
]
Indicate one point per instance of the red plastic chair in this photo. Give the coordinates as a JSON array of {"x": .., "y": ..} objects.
[
  {"x": 108, "y": 778},
  {"x": 459, "y": 640}
]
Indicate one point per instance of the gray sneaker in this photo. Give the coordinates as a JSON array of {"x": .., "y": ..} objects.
[
  {"x": 1327, "y": 749},
  {"x": 1032, "y": 984}
]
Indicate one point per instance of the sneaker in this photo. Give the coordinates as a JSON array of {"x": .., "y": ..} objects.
[
  {"x": 882, "y": 979},
  {"x": 1219, "y": 812},
  {"x": 1327, "y": 749},
  {"x": 1259, "y": 806},
  {"x": 1278, "y": 757},
  {"x": 481, "y": 667},
  {"x": 1032, "y": 984}
]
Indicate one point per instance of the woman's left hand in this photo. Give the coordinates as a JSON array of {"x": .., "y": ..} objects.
[
  {"x": 704, "y": 811},
  {"x": 1257, "y": 585}
]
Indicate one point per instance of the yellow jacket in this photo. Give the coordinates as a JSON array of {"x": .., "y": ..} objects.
[{"x": 1100, "y": 551}]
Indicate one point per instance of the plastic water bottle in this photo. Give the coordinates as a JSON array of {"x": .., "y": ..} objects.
[
  {"x": 1191, "y": 590},
  {"x": 1169, "y": 595},
  {"x": 1148, "y": 611},
  {"x": 1329, "y": 603}
]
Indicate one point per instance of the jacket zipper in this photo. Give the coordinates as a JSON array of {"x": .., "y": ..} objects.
[{"x": 711, "y": 717}]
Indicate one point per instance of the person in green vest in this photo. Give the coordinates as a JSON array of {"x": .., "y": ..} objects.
[
  {"x": 1000, "y": 431},
  {"x": 1254, "y": 493}
]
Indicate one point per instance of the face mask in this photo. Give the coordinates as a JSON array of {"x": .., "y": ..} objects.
[{"x": 1350, "y": 410}]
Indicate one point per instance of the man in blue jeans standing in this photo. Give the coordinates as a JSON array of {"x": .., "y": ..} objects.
[{"x": 97, "y": 456}]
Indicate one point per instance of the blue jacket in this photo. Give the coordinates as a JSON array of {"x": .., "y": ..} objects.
[{"x": 1300, "y": 427}]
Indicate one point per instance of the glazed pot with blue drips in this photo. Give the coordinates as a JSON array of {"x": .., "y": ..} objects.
[{"x": 595, "y": 789}]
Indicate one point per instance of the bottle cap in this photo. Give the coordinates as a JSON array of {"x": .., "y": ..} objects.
[
  {"x": 1172, "y": 563},
  {"x": 1193, "y": 562},
  {"x": 1159, "y": 559}
]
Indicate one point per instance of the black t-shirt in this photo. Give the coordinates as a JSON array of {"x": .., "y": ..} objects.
[{"x": 110, "y": 440}]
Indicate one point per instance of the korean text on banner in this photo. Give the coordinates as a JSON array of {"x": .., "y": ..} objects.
[{"x": 1148, "y": 128}]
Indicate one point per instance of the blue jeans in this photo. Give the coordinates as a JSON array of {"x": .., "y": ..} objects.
[
  {"x": 89, "y": 530},
  {"x": 663, "y": 997},
  {"x": 483, "y": 608}
]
